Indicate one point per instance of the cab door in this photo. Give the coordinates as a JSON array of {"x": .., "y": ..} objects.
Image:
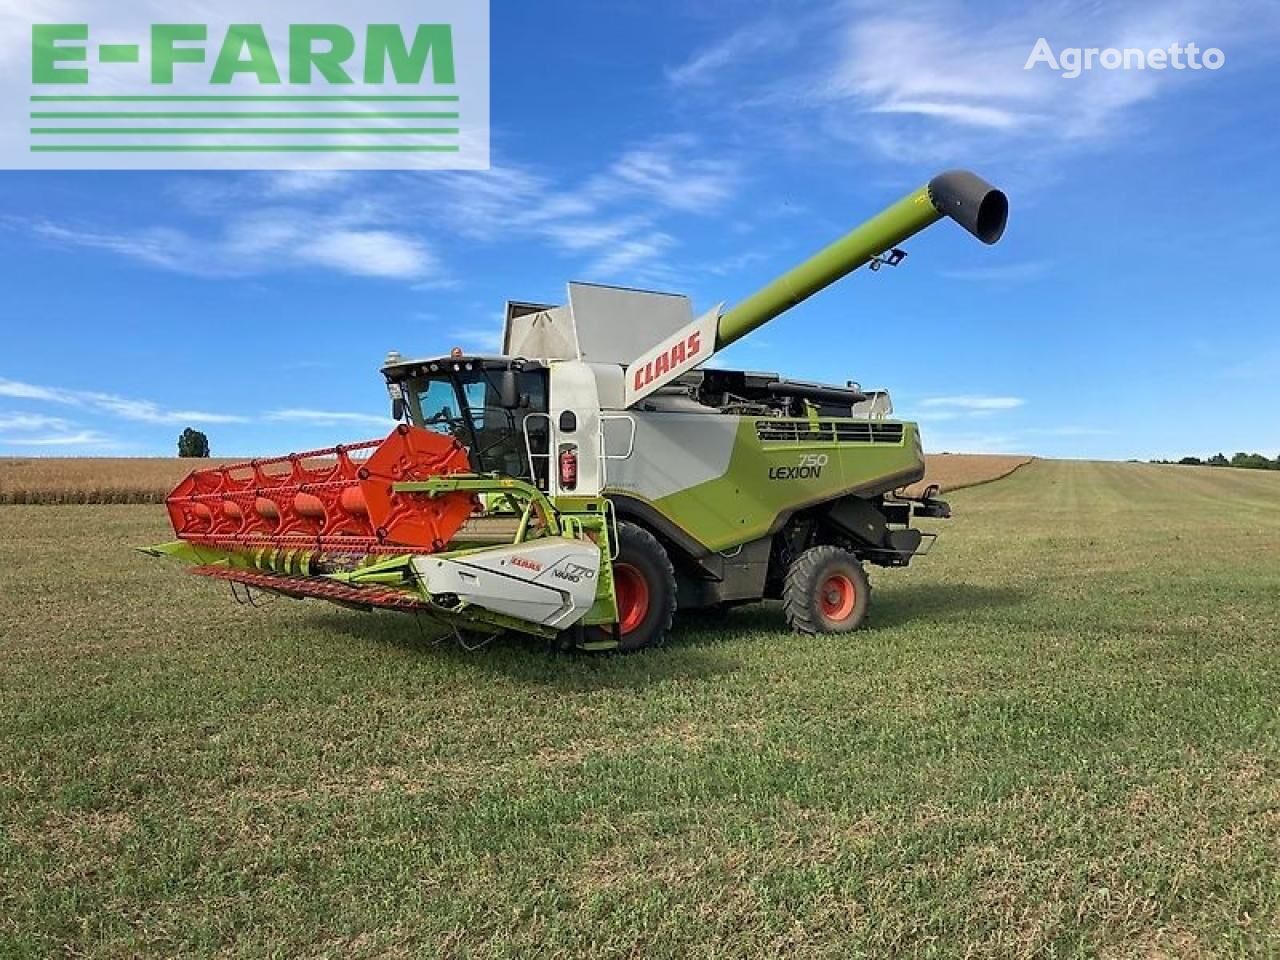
[{"x": 577, "y": 468}]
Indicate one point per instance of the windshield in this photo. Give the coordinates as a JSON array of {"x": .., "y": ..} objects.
[
  {"x": 441, "y": 412},
  {"x": 466, "y": 405}
]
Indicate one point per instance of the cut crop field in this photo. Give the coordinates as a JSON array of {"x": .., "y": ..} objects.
[
  {"x": 1059, "y": 735},
  {"x": 57, "y": 480},
  {"x": 955, "y": 471}
]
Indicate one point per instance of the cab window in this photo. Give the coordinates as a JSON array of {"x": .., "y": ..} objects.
[
  {"x": 467, "y": 406},
  {"x": 438, "y": 402}
]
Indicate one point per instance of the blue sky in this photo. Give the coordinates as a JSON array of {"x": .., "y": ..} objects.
[{"x": 1129, "y": 312}]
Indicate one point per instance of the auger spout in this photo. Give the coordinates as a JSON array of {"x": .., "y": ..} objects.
[{"x": 963, "y": 196}]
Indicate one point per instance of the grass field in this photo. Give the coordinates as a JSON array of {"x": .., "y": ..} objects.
[
  {"x": 1059, "y": 736},
  {"x": 57, "y": 480}
]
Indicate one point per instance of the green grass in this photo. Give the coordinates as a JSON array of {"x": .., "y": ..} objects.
[{"x": 1059, "y": 736}]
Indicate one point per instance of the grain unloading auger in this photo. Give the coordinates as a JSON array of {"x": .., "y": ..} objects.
[{"x": 596, "y": 477}]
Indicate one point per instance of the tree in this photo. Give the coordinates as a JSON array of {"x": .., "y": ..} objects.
[
  {"x": 1191, "y": 461},
  {"x": 1251, "y": 461},
  {"x": 1218, "y": 460},
  {"x": 193, "y": 443}
]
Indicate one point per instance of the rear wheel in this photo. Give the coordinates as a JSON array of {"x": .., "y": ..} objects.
[
  {"x": 644, "y": 583},
  {"x": 826, "y": 591}
]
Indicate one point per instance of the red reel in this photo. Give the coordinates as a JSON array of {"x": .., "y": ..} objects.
[{"x": 328, "y": 500}]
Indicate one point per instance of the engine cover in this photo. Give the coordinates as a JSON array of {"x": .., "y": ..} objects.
[{"x": 551, "y": 581}]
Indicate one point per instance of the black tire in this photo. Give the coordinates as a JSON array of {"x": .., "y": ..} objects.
[
  {"x": 641, "y": 556},
  {"x": 826, "y": 591}
]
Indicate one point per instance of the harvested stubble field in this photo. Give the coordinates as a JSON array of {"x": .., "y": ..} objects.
[
  {"x": 1058, "y": 736},
  {"x": 57, "y": 480},
  {"x": 955, "y": 471}
]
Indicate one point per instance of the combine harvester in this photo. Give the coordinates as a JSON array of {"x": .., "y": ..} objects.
[{"x": 595, "y": 478}]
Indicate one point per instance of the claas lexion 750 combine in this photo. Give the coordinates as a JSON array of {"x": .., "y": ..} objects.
[{"x": 596, "y": 477}]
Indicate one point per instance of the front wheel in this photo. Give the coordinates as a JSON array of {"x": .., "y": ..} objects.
[
  {"x": 644, "y": 582},
  {"x": 826, "y": 591}
]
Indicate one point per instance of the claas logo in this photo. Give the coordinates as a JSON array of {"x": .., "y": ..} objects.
[{"x": 670, "y": 359}]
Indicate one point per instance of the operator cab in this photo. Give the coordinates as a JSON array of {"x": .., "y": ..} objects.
[{"x": 483, "y": 403}]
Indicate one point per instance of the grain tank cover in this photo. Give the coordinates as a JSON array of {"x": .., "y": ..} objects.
[
  {"x": 538, "y": 331},
  {"x": 600, "y": 324},
  {"x": 618, "y": 324}
]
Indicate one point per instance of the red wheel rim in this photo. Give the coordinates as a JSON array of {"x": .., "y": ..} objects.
[
  {"x": 632, "y": 591},
  {"x": 839, "y": 597}
]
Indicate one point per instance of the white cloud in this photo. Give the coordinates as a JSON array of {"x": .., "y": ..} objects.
[
  {"x": 734, "y": 263},
  {"x": 576, "y": 236},
  {"x": 977, "y": 116},
  {"x": 372, "y": 227},
  {"x": 739, "y": 45},
  {"x": 26, "y": 422},
  {"x": 483, "y": 205},
  {"x": 639, "y": 255},
  {"x": 927, "y": 81},
  {"x": 962, "y": 70},
  {"x": 82, "y": 438},
  {"x": 36, "y": 430},
  {"x": 937, "y": 441},
  {"x": 973, "y": 402},
  {"x": 262, "y": 243},
  {"x": 329, "y": 418},
  {"x": 142, "y": 411},
  {"x": 676, "y": 173},
  {"x": 145, "y": 411},
  {"x": 16, "y": 428},
  {"x": 31, "y": 391},
  {"x": 924, "y": 56},
  {"x": 352, "y": 237},
  {"x": 157, "y": 246},
  {"x": 615, "y": 215},
  {"x": 305, "y": 181},
  {"x": 372, "y": 253}
]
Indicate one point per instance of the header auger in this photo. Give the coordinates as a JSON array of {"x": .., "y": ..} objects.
[{"x": 596, "y": 477}]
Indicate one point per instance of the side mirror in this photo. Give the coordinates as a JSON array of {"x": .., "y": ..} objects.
[
  {"x": 508, "y": 390},
  {"x": 397, "y": 408}
]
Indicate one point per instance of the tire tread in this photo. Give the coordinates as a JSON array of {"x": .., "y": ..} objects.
[
  {"x": 800, "y": 586},
  {"x": 634, "y": 539}
]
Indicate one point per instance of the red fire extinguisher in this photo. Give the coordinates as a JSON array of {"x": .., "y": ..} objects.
[{"x": 568, "y": 466}]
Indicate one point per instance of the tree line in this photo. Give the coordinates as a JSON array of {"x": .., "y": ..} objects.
[{"x": 1245, "y": 461}]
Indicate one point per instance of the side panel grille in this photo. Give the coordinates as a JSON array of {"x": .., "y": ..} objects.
[{"x": 777, "y": 430}]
